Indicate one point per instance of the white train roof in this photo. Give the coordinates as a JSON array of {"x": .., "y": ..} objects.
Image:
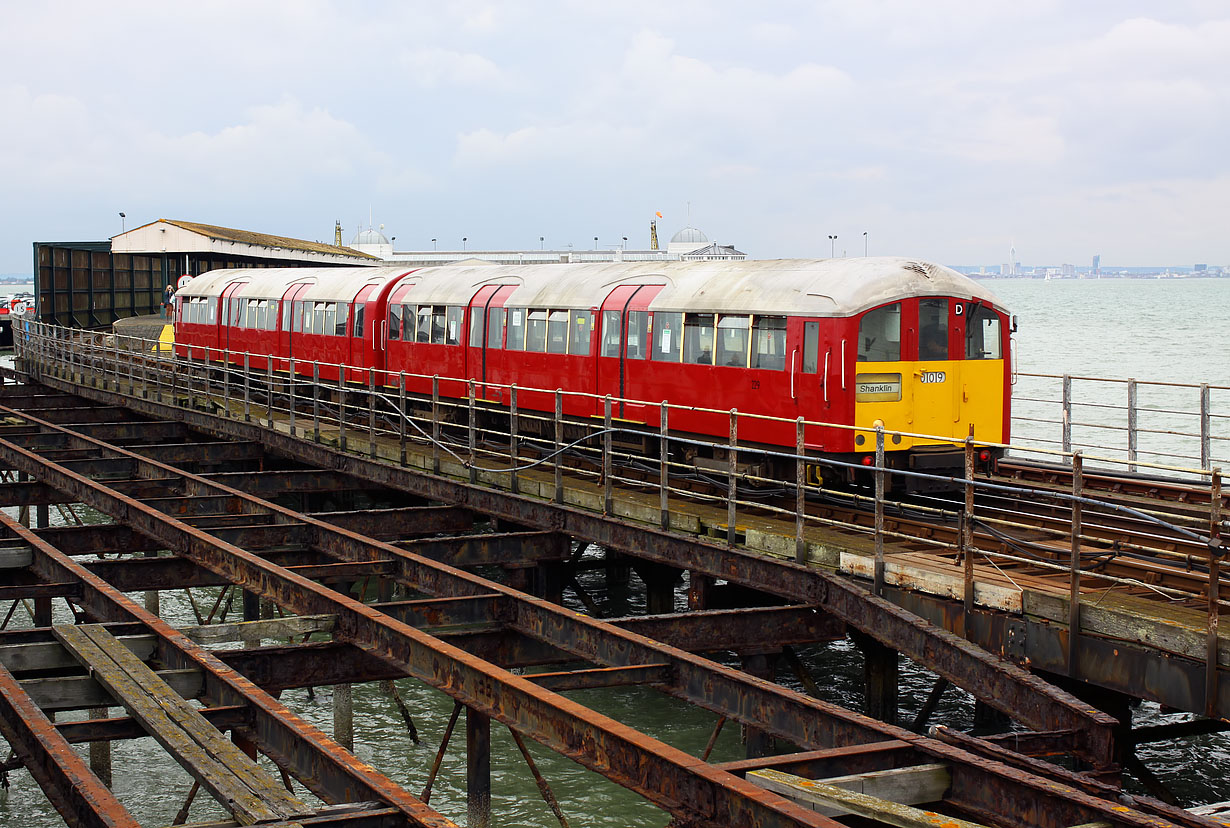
[{"x": 811, "y": 287}]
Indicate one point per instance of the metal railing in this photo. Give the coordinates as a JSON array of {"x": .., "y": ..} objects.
[
  {"x": 446, "y": 431},
  {"x": 1137, "y": 424}
]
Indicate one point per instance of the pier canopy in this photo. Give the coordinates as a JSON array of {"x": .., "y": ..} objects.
[{"x": 168, "y": 235}]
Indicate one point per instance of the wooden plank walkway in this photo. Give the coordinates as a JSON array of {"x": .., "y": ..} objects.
[{"x": 234, "y": 779}]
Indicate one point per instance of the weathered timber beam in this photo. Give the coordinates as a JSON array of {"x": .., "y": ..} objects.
[
  {"x": 865, "y": 795},
  {"x": 77, "y": 794},
  {"x": 815, "y": 764}
]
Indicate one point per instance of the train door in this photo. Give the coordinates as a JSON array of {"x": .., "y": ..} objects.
[
  {"x": 486, "y": 342},
  {"x": 625, "y": 347},
  {"x": 286, "y": 339},
  {"x": 227, "y": 314},
  {"x": 357, "y": 347},
  {"x": 935, "y": 380},
  {"x": 815, "y": 381}
]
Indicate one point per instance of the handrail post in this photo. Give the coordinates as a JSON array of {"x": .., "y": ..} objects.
[
  {"x": 472, "y": 432},
  {"x": 559, "y": 445},
  {"x": 1067, "y": 413},
  {"x": 226, "y": 380},
  {"x": 1211, "y": 643},
  {"x": 732, "y": 492},
  {"x": 607, "y": 483},
  {"x": 401, "y": 420},
  {"x": 1074, "y": 603},
  {"x": 1132, "y": 424},
  {"x": 966, "y": 534},
  {"x": 247, "y": 388},
  {"x": 341, "y": 407},
  {"x": 269, "y": 391},
  {"x": 663, "y": 471},
  {"x": 290, "y": 377},
  {"x": 514, "y": 482},
  {"x": 188, "y": 379},
  {"x": 1206, "y": 441},
  {"x": 371, "y": 413},
  {"x": 878, "y": 581},
  {"x": 316, "y": 402},
  {"x": 800, "y": 471},
  {"x": 435, "y": 424}
]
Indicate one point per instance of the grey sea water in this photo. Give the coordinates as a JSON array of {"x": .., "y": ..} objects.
[{"x": 1166, "y": 330}]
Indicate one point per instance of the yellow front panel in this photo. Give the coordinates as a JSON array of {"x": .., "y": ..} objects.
[{"x": 935, "y": 397}]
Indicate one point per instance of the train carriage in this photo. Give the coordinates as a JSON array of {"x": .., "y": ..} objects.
[{"x": 853, "y": 343}]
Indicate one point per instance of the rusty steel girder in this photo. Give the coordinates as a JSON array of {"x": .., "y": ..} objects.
[
  {"x": 525, "y": 707},
  {"x": 321, "y": 765}
]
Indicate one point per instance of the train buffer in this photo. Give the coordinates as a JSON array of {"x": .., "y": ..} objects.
[{"x": 214, "y": 761}]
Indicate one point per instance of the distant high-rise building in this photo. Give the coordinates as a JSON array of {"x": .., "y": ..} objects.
[{"x": 1097, "y": 263}]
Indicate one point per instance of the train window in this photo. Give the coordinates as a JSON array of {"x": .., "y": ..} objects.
[
  {"x": 423, "y": 324},
  {"x": 698, "y": 338},
  {"x": 536, "y": 331},
  {"x": 318, "y": 319},
  {"x": 476, "y": 328},
  {"x": 358, "y": 318},
  {"x": 339, "y": 327},
  {"x": 732, "y": 341},
  {"x": 516, "y": 329},
  {"x": 495, "y": 327},
  {"x": 933, "y": 329},
  {"x": 666, "y": 337},
  {"x": 287, "y": 309},
  {"x": 557, "y": 332},
  {"x": 437, "y": 324},
  {"x": 395, "y": 312},
  {"x": 879, "y": 335},
  {"x": 982, "y": 339},
  {"x": 330, "y": 322},
  {"x": 453, "y": 315},
  {"x": 811, "y": 347},
  {"x": 638, "y": 334},
  {"x": 610, "y": 333},
  {"x": 769, "y": 334},
  {"x": 578, "y": 339}
]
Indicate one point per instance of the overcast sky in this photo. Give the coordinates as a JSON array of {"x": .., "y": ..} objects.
[{"x": 947, "y": 130}]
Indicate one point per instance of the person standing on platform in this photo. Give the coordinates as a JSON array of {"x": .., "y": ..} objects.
[{"x": 167, "y": 296}]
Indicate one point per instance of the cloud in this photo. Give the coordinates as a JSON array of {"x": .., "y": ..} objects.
[{"x": 430, "y": 68}]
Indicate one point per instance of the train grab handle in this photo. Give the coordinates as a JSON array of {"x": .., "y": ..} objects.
[
  {"x": 793, "y": 354},
  {"x": 843, "y": 365},
  {"x": 824, "y": 379}
]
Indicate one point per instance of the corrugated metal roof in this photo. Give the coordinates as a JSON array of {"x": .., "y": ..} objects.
[{"x": 266, "y": 240}]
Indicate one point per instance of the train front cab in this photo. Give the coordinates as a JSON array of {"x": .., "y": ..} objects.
[{"x": 930, "y": 366}]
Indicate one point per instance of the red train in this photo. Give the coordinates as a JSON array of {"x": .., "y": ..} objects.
[{"x": 847, "y": 343}]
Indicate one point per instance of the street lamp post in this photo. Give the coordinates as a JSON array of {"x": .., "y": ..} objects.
[
  {"x": 864, "y": 243},
  {"x": 595, "y": 242},
  {"x": 832, "y": 247},
  {"x": 542, "y": 242},
  {"x": 122, "y": 217},
  {"x": 464, "y": 239},
  {"x": 625, "y": 242},
  {"x": 433, "y": 244}
]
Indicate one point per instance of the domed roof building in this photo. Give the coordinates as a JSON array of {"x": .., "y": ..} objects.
[
  {"x": 685, "y": 241},
  {"x": 373, "y": 242}
]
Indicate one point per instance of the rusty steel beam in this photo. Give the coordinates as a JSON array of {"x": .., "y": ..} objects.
[
  {"x": 666, "y": 776},
  {"x": 77, "y": 794},
  {"x": 406, "y": 522},
  {"x": 297, "y": 481},
  {"x": 126, "y": 727},
  {"x": 399, "y": 645},
  {"x": 322, "y": 766}
]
